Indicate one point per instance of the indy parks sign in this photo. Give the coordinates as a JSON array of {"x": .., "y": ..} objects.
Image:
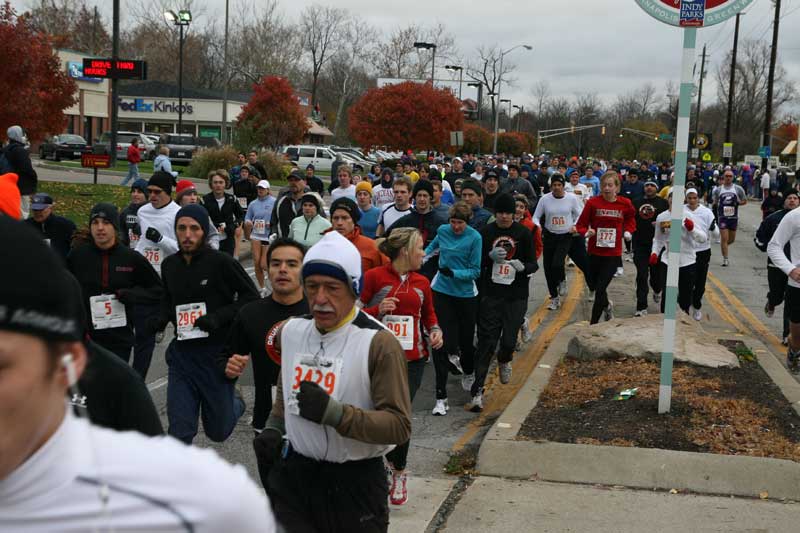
[{"x": 693, "y": 13}]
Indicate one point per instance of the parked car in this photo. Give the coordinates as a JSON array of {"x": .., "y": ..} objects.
[
  {"x": 208, "y": 142},
  {"x": 124, "y": 139},
  {"x": 354, "y": 154},
  {"x": 304, "y": 154},
  {"x": 64, "y": 146},
  {"x": 181, "y": 146}
]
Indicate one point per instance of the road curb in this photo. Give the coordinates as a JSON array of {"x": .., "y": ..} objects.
[
  {"x": 502, "y": 455},
  {"x": 102, "y": 172}
]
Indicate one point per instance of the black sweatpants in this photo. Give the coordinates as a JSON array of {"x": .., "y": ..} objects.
[
  {"x": 778, "y": 282},
  {"x": 457, "y": 320},
  {"x": 645, "y": 273},
  {"x": 498, "y": 319},
  {"x": 265, "y": 375},
  {"x": 601, "y": 272},
  {"x": 685, "y": 285},
  {"x": 314, "y": 496},
  {"x": 399, "y": 456},
  {"x": 556, "y": 248},
  {"x": 700, "y": 276}
]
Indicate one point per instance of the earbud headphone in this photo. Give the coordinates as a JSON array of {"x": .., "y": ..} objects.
[{"x": 68, "y": 362}]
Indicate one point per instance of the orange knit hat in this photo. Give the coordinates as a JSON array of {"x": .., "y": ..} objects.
[{"x": 9, "y": 196}]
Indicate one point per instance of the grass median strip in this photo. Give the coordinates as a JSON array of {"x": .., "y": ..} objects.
[{"x": 75, "y": 200}]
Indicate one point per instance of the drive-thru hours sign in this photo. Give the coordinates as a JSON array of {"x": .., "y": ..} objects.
[{"x": 693, "y": 13}]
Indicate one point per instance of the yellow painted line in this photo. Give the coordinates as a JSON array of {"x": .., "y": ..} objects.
[
  {"x": 755, "y": 325},
  {"x": 502, "y": 395},
  {"x": 717, "y": 303}
]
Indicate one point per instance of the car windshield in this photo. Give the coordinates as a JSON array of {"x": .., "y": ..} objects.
[
  {"x": 73, "y": 139},
  {"x": 123, "y": 138},
  {"x": 180, "y": 139}
]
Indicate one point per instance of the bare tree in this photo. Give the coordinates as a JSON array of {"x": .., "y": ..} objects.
[
  {"x": 321, "y": 38},
  {"x": 396, "y": 57},
  {"x": 72, "y": 24},
  {"x": 541, "y": 92},
  {"x": 486, "y": 70}
]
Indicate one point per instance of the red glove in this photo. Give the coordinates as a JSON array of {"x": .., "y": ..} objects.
[
  {"x": 653, "y": 259},
  {"x": 688, "y": 223}
]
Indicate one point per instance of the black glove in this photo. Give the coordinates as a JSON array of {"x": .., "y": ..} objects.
[
  {"x": 713, "y": 225},
  {"x": 153, "y": 234},
  {"x": 155, "y": 324},
  {"x": 316, "y": 405},
  {"x": 267, "y": 445},
  {"x": 446, "y": 271},
  {"x": 207, "y": 323}
]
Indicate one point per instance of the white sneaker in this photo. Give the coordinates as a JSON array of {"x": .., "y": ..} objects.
[
  {"x": 554, "y": 304},
  {"x": 505, "y": 373},
  {"x": 570, "y": 263},
  {"x": 466, "y": 382},
  {"x": 643, "y": 312},
  {"x": 697, "y": 314},
  {"x": 476, "y": 405},
  {"x": 441, "y": 408},
  {"x": 725, "y": 262},
  {"x": 629, "y": 258},
  {"x": 591, "y": 296},
  {"x": 526, "y": 330},
  {"x": 608, "y": 313},
  {"x": 657, "y": 297},
  {"x": 455, "y": 362},
  {"x": 619, "y": 272},
  {"x": 562, "y": 288}
]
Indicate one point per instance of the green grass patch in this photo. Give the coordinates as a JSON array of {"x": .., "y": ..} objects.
[
  {"x": 460, "y": 464},
  {"x": 75, "y": 200}
]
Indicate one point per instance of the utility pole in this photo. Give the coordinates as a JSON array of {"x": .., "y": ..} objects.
[
  {"x": 772, "y": 61},
  {"x": 732, "y": 86},
  {"x": 224, "y": 131},
  {"x": 699, "y": 97},
  {"x": 112, "y": 145}
]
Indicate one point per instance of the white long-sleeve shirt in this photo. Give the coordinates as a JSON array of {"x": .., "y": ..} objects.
[
  {"x": 705, "y": 218},
  {"x": 153, "y": 484},
  {"x": 163, "y": 220},
  {"x": 688, "y": 238},
  {"x": 581, "y": 192},
  {"x": 560, "y": 213},
  {"x": 788, "y": 231}
]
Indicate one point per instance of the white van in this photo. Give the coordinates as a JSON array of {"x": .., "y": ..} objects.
[{"x": 308, "y": 154}]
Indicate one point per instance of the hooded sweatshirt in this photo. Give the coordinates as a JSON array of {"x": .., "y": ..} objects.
[{"x": 20, "y": 161}]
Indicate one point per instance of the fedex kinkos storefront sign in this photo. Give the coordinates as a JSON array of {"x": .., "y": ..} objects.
[{"x": 141, "y": 105}]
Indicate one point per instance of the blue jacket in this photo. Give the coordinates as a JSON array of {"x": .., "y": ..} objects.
[
  {"x": 369, "y": 222},
  {"x": 260, "y": 209},
  {"x": 461, "y": 254},
  {"x": 480, "y": 217}
]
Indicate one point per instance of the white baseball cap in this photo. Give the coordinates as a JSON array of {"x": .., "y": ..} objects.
[{"x": 263, "y": 184}]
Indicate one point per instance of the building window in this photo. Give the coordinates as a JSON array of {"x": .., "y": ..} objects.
[
  {"x": 129, "y": 126},
  {"x": 209, "y": 131},
  {"x": 159, "y": 127}
]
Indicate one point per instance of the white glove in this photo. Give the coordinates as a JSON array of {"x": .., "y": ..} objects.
[
  {"x": 589, "y": 234},
  {"x": 498, "y": 254},
  {"x": 517, "y": 265},
  {"x": 627, "y": 235}
]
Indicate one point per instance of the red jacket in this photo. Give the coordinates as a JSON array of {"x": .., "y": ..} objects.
[
  {"x": 415, "y": 300},
  {"x": 610, "y": 221},
  {"x": 538, "y": 246},
  {"x": 134, "y": 156}
]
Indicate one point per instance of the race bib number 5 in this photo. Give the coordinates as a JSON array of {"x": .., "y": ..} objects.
[
  {"x": 606, "y": 237},
  {"x": 324, "y": 371},
  {"x": 402, "y": 327},
  {"x": 107, "y": 312},
  {"x": 185, "y": 317}
]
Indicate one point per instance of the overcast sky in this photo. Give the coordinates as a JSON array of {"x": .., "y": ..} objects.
[{"x": 602, "y": 46}]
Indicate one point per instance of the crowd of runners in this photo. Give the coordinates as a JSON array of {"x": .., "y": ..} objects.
[{"x": 428, "y": 259}]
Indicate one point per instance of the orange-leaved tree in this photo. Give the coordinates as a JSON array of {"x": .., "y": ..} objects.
[
  {"x": 406, "y": 115},
  {"x": 477, "y": 139},
  {"x": 273, "y": 115},
  {"x": 35, "y": 87}
]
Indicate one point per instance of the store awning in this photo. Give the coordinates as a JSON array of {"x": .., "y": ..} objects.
[
  {"x": 316, "y": 129},
  {"x": 791, "y": 148}
]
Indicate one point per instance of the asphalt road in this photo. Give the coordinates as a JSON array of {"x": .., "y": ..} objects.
[{"x": 734, "y": 303}]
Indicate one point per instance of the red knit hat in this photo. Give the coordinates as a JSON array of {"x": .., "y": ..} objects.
[
  {"x": 9, "y": 196},
  {"x": 183, "y": 187}
]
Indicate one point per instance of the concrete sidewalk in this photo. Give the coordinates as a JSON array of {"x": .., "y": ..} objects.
[{"x": 493, "y": 504}]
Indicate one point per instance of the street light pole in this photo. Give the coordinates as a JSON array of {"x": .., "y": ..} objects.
[
  {"x": 180, "y": 83},
  {"x": 497, "y": 90},
  {"x": 224, "y": 132},
  {"x": 429, "y": 46},
  {"x": 507, "y": 101}
]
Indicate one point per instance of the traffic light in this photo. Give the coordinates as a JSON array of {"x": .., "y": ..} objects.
[{"x": 603, "y": 130}]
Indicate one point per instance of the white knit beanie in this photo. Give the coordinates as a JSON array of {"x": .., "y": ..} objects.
[{"x": 336, "y": 257}]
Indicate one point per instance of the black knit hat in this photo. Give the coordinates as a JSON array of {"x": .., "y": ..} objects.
[
  {"x": 348, "y": 205},
  {"x": 197, "y": 212},
  {"x": 557, "y": 177},
  {"x": 473, "y": 185},
  {"x": 107, "y": 212},
  {"x": 423, "y": 185},
  {"x": 504, "y": 203},
  {"x": 41, "y": 302},
  {"x": 162, "y": 180}
]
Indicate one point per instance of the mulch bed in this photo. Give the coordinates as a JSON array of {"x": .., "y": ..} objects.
[{"x": 725, "y": 411}]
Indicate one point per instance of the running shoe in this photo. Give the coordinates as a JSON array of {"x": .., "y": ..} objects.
[
  {"x": 641, "y": 312},
  {"x": 657, "y": 297},
  {"x": 555, "y": 303},
  {"x": 785, "y": 341},
  {"x": 441, "y": 408},
  {"x": 725, "y": 262},
  {"x": 697, "y": 314},
  {"x": 620, "y": 272},
  {"x": 570, "y": 263},
  {"x": 792, "y": 360},
  {"x": 629, "y": 257},
  {"x": 526, "y": 330},
  {"x": 455, "y": 364},
  {"x": 476, "y": 405},
  {"x": 608, "y": 313},
  {"x": 466, "y": 382},
  {"x": 769, "y": 310},
  {"x": 505, "y": 373},
  {"x": 398, "y": 495},
  {"x": 562, "y": 288},
  {"x": 591, "y": 296}
]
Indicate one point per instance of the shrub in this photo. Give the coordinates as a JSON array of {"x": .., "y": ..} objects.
[
  {"x": 277, "y": 167},
  {"x": 207, "y": 159}
]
